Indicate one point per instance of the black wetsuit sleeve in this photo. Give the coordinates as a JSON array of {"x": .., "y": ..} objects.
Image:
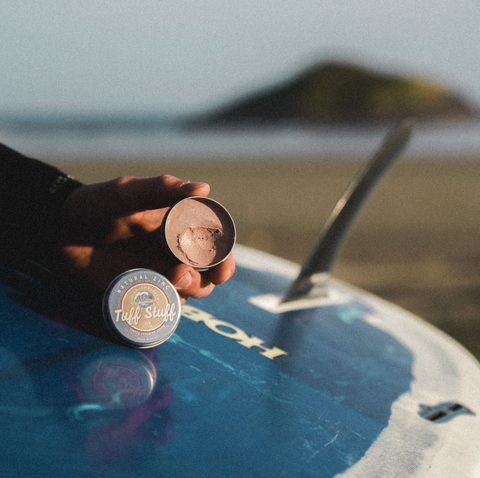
[{"x": 32, "y": 194}]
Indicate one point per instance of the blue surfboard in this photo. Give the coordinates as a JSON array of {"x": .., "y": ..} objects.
[{"x": 339, "y": 385}]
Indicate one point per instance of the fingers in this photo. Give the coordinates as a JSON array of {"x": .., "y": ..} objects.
[
  {"x": 136, "y": 194},
  {"x": 189, "y": 282},
  {"x": 223, "y": 272},
  {"x": 96, "y": 268},
  {"x": 90, "y": 211},
  {"x": 195, "y": 189}
]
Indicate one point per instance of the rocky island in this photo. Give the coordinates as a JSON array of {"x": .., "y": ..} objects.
[{"x": 339, "y": 92}]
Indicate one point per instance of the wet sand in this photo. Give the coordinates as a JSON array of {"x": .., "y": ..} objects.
[{"x": 414, "y": 243}]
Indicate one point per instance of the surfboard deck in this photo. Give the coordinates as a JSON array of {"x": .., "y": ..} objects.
[{"x": 343, "y": 385}]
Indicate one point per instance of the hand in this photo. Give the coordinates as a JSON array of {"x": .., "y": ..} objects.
[{"x": 109, "y": 228}]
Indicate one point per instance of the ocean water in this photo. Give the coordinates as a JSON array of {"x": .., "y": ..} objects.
[{"x": 448, "y": 141}]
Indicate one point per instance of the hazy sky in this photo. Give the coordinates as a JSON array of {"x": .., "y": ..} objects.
[{"x": 182, "y": 56}]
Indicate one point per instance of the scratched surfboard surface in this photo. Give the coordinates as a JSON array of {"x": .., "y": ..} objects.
[{"x": 346, "y": 385}]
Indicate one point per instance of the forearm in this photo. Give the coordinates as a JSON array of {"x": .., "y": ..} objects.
[{"x": 32, "y": 194}]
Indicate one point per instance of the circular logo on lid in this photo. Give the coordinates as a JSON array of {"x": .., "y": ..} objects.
[{"x": 142, "y": 308}]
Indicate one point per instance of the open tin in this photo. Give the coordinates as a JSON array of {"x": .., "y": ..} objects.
[{"x": 198, "y": 231}]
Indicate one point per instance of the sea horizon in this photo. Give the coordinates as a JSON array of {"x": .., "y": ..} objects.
[{"x": 135, "y": 136}]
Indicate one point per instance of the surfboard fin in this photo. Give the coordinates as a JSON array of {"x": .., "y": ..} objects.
[{"x": 317, "y": 268}]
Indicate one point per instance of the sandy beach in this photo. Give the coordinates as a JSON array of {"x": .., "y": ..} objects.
[{"x": 414, "y": 243}]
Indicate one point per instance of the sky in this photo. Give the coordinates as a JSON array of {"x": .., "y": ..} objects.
[{"x": 164, "y": 56}]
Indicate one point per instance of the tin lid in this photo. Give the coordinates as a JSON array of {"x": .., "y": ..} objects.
[
  {"x": 141, "y": 308},
  {"x": 199, "y": 231}
]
